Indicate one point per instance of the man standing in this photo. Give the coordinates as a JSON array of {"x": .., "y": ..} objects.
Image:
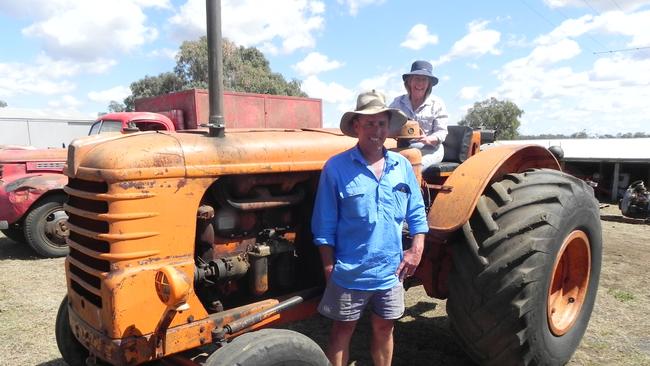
[{"x": 364, "y": 196}]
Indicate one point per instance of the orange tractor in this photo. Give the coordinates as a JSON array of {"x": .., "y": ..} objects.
[{"x": 190, "y": 246}]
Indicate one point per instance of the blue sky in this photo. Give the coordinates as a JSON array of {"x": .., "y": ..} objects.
[{"x": 571, "y": 65}]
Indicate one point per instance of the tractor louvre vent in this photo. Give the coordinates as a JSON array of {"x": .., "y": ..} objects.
[
  {"x": 88, "y": 224},
  {"x": 94, "y": 299},
  {"x": 98, "y": 264},
  {"x": 88, "y": 278},
  {"x": 88, "y": 186},
  {"x": 101, "y": 246},
  {"x": 88, "y": 205}
]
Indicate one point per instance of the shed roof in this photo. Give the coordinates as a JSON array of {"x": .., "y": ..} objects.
[{"x": 603, "y": 150}]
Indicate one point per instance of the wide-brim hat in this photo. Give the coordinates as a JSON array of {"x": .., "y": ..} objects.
[
  {"x": 422, "y": 68},
  {"x": 370, "y": 103}
]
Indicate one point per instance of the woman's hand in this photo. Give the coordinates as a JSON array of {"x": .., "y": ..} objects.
[{"x": 429, "y": 140}]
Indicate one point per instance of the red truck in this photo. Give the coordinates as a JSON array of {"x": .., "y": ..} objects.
[{"x": 32, "y": 180}]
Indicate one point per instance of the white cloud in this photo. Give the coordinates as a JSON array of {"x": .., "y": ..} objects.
[
  {"x": 167, "y": 53},
  {"x": 418, "y": 37},
  {"x": 330, "y": 92},
  {"x": 469, "y": 93},
  {"x": 598, "y": 5},
  {"x": 82, "y": 30},
  {"x": 315, "y": 63},
  {"x": 565, "y": 49},
  {"x": 627, "y": 71},
  {"x": 65, "y": 102},
  {"x": 45, "y": 76},
  {"x": 478, "y": 41},
  {"x": 355, "y": 5},
  {"x": 634, "y": 25},
  {"x": 379, "y": 82},
  {"x": 611, "y": 90},
  {"x": 608, "y": 95},
  {"x": 117, "y": 93},
  {"x": 281, "y": 25}
]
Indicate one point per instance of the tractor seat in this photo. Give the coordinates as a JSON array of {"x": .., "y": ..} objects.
[{"x": 457, "y": 149}]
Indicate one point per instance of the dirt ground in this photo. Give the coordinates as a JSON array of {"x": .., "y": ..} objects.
[{"x": 31, "y": 290}]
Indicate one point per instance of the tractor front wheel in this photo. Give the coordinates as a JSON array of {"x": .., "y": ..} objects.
[
  {"x": 72, "y": 351},
  {"x": 526, "y": 270},
  {"x": 269, "y": 347}
]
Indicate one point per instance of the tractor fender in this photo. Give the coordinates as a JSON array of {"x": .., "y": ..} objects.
[
  {"x": 453, "y": 207},
  {"x": 16, "y": 197}
]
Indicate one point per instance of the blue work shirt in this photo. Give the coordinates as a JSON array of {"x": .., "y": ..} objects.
[{"x": 361, "y": 217}]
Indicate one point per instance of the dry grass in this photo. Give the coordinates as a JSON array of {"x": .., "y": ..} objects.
[{"x": 31, "y": 290}]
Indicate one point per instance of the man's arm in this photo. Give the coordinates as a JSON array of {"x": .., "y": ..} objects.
[
  {"x": 412, "y": 258},
  {"x": 327, "y": 258}
]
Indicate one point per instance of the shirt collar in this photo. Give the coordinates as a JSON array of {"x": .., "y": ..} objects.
[{"x": 356, "y": 155}]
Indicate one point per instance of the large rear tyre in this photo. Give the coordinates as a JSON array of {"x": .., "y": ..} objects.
[
  {"x": 46, "y": 227},
  {"x": 526, "y": 270},
  {"x": 15, "y": 233},
  {"x": 72, "y": 351},
  {"x": 268, "y": 347}
]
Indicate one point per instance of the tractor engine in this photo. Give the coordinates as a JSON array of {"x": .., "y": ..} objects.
[{"x": 246, "y": 232}]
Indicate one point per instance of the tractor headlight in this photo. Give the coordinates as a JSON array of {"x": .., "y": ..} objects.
[{"x": 173, "y": 288}]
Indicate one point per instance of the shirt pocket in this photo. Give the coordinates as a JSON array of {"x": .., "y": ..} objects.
[
  {"x": 401, "y": 194},
  {"x": 354, "y": 202}
]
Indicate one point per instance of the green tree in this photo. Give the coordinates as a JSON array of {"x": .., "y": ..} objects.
[
  {"x": 150, "y": 86},
  {"x": 580, "y": 135},
  {"x": 115, "y": 106},
  {"x": 502, "y": 116},
  {"x": 244, "y": 70},
  {"x": 3, "y": 104}
]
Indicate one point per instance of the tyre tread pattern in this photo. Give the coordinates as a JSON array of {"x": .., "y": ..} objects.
[{"x": 495, "y": 268}]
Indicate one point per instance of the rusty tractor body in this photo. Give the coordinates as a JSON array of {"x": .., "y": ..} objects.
[
  {"x": 32, "y": 180},
  {"x": 185, "y": 241},
  {"x": 191, "y": 246}
]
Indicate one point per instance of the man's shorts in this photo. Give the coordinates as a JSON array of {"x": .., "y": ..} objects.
[{"x": 341, "y": 304}]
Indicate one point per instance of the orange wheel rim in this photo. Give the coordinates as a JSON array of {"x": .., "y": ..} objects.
[{"x": 568, "y": 288}]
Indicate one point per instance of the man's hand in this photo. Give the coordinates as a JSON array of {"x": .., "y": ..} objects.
[{"x": 412, "y": 258}]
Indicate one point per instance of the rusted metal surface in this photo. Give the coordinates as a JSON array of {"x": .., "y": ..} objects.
[
  {"x": 138, "y": 348},
  {"x": 569, "y": 285},
  {"x": 146, "y": 230},
  {"x": 32, "y": 155},
  {"x": 153, "y": 155},
  {"x": 241, "y": 110},
  {"x": 433, "y": 271},
  {"x": 451, "y": 209},
  {"x": 17, "y": 196}
]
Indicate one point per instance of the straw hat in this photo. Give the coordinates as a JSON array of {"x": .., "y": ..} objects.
[{"x": 369, "y": 103}]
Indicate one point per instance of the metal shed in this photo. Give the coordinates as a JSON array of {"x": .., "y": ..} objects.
[{"x": 612, "y": 163}]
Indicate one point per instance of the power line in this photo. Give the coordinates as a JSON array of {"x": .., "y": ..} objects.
[
  {"x": 623, "y": 50},
  {"x": 586, "y": 34},
  {"x": 538, "y": 14},
  {"x": 554, "y": 25},
  {"x": 618, "y": 6},
  {"x": 591, "y": 7}
]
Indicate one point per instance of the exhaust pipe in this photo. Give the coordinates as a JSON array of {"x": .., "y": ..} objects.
[{"x": 216, "y": 123}]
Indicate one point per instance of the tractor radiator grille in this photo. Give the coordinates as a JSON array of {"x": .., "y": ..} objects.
[{"x": 94, "y": 229}]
